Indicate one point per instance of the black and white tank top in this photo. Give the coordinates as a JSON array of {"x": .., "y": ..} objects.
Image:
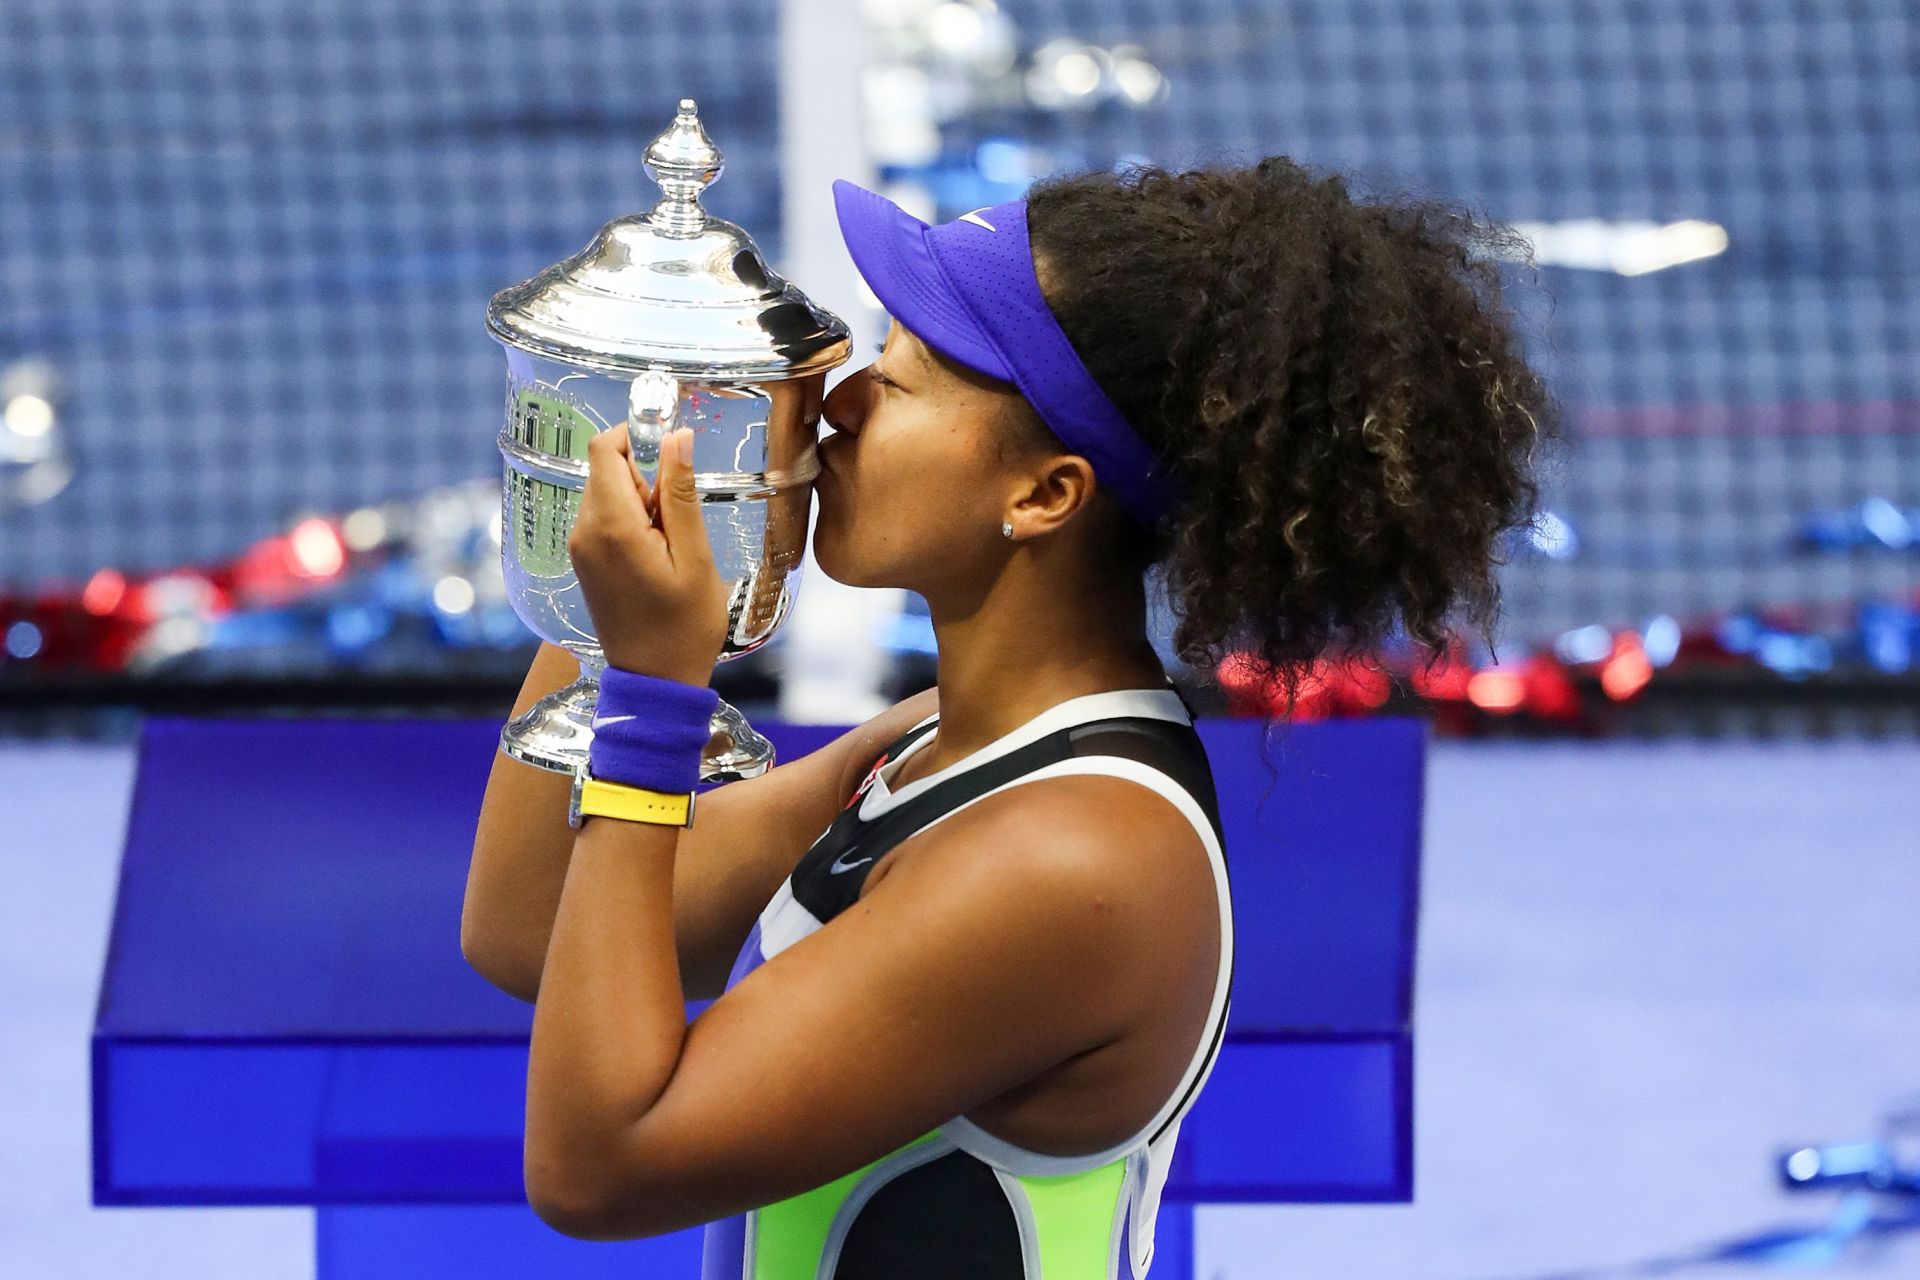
[{"x": 959, "y": 1201}]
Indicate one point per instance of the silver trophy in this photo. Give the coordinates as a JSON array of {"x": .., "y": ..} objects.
[{"x": 668, "y": 319}]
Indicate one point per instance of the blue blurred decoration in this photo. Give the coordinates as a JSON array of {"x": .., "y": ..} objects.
[
  {"x": 264, "y": 628},
  {"x": 23, "y": 640},
  {"x": 1789, "y": 652},
  {"x": 1591, "y": 643},
  {"x": 1889, "y": 635},
  {"x": 1660, "y": 637},
  {"x": 353, "y": 627},
  {"x": 1875, "y": 524},
  {"x": 1793, "y": 655},
  {"x": 1739, "y": 632}
]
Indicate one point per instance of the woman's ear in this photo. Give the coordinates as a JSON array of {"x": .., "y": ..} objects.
[{"x": 1059, "y": 491}]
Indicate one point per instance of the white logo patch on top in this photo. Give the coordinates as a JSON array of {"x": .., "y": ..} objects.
[{"x": 976, "y": 219}]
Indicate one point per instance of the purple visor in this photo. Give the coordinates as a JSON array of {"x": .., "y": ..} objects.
[{"x": 967, "y": 289}]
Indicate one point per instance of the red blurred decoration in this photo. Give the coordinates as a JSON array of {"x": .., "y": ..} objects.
[
  {"x": 1538, "y": 685},
  {"x": 1497, "y": 689},
  {"x": 1445, "y": 680},
  {"x": 1627, "y": 671},
  {"x": 1348, "y": 685},
  {"x": 103, "y": 593},
  {"x": 102, "y": 625},
  {"x": 1551, "y": 694},
  {"x": 285, "y": 567}
]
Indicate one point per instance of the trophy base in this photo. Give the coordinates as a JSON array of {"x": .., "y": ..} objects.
[{"x": 557, "y": 730}]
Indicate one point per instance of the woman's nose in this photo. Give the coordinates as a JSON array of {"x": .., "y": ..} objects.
[{"x": 845, "y": 407}]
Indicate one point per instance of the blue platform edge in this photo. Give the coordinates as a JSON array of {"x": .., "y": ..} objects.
[{"x": 285, "y": 1016}]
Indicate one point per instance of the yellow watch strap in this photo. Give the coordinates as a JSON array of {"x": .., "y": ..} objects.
[{"x": 635, "y": 804}]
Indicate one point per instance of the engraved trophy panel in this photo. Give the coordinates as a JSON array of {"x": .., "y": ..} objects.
[{"x": 667, "y": 319}]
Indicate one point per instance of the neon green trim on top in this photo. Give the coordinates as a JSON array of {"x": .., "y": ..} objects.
[
  {"x": 787, "y": 1238},
  {"x": 1073, "y": 1216}
]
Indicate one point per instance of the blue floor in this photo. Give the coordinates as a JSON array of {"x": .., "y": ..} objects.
[{"x": 1645, "y": 971}]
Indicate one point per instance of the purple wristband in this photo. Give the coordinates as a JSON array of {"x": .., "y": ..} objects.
[{"x": 650, "y": 732}]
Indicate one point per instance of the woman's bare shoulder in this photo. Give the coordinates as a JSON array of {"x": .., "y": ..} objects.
[{"x": 1122, "y": 846}]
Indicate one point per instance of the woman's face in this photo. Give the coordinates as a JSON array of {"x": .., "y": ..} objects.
[{"x": 917, "y": 473}]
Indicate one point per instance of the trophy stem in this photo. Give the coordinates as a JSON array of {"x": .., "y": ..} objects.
[{"x": 556, "y": 731}]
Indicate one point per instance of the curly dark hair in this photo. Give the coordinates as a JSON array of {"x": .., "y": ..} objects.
[{"x": 1337, "y": 386}]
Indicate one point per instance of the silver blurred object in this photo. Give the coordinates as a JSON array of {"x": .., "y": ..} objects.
[
  {"x": 33, "y": 462},
  {"x": 669, "y": 318}
]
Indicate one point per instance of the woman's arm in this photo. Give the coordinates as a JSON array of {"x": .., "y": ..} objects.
[
  {"x": 520, "y": 852},
  {"x": 1022, "y": 931},
  {"x": 748, "y": 837}
]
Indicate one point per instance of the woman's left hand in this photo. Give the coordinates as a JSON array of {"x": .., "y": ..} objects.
[{"x": 645, "y": 565}]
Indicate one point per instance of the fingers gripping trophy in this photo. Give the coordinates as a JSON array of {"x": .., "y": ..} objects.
[{"x": 667, "y": 320}]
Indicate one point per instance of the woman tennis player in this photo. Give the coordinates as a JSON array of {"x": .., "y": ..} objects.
[{"x": 973, "y": 958}]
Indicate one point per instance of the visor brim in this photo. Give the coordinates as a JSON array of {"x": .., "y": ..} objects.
[{"x": 889, "y": 247}]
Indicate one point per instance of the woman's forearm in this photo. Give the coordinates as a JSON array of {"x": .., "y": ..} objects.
[
  {"x": 520, "y": 852},
  {"x": 609, "y": 1024}
]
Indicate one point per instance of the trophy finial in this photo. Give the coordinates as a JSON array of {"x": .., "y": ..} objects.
[{"x": 684, "y": 161}]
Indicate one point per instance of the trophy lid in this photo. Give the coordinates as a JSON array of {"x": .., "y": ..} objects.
[{"x": 673, "y": 287}]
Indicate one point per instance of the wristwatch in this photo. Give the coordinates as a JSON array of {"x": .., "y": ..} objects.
[{"x": 594, "y": 798}]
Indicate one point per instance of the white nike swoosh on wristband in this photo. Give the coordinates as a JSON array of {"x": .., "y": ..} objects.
[
  {"x": 602, "y": 721},
  {"x": 840, "y": 866}
]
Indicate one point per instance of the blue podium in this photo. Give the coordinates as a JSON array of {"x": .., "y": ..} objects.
[{"x": 285, "y": 1016}]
